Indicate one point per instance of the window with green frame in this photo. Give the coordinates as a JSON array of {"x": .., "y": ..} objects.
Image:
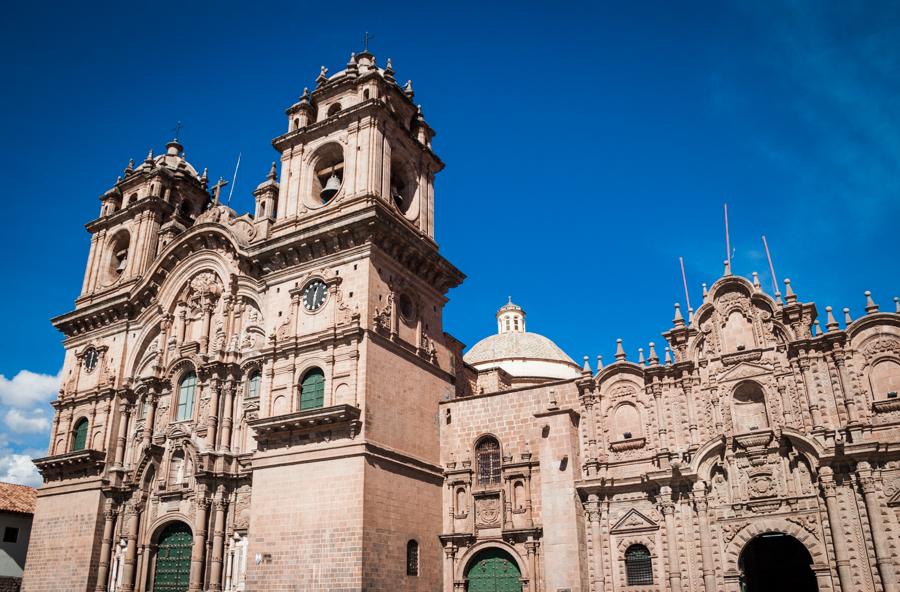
[
  {"x": 186, "y": 389},
  {"x": 253, "y": 384},
  {"x": 81, "y": 432},
  {"x": 312, "y": 389}
]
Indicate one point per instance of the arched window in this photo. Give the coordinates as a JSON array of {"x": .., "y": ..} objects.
[
  {"x": 80, "y": 440},
  {"x": 638, "y": 566},
  {"x": 186, "y": 390},
  {"x": 487, "y": 454},
  {"x": 412, "y": 558},
  {"x": 118, "y": 256},
  {"x": 312, "y": 389},
  {"x": 749, "y": 408},
  {"x": 253, "y": 384}
]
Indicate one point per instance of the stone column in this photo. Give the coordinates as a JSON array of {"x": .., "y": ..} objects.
[
  {"x": 849, "y": 396},
  {"x": 152, "y": 400},
  {"x": 667, "y": 506},
  {"x": 109, "y": 515},
  {"x": 591, "y": 462},
  {"x": 181, "y": 328},
  {"x": 204, "y": 328},
  {"x": 706, "y": 551},
  {"x": 449, "y": 565},
  {"x": 198, "y": 549},
  {"x": 227, "y": 412},
  {"x": 879, "y": 535},
  {"x": 692, "y": 414},
  {"x": 121, "y": 435},
  {"x": 809, "y": 383},
  {"x": 842, "y": 555},
  {"x": 593, "y": 516},
  {"x": 132, "y": 517},
  {"x": 656, "y": 391},
  {"x": 215, "y": 562},
  {"x": 531, "y": 549},
  {"x": 212, "y": 419}
]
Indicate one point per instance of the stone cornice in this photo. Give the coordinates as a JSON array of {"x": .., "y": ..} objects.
[{"x": 71, "y": 465}]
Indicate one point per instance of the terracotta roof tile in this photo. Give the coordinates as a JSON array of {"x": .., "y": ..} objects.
[{"x": 17, "y": 498}]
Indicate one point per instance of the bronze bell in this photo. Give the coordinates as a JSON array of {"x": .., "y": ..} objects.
[{"x": 331, "y": 187}]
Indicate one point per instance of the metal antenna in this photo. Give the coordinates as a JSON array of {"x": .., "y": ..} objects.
[
  {"x": 234, "y": 179},
  {"x": 687, "y": 296},
  {"x": 727, "y": 239},
  {"x": 771, "y": 267}
]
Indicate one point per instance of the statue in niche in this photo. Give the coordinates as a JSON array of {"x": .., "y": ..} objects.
[{"x": 719, "y": 490}]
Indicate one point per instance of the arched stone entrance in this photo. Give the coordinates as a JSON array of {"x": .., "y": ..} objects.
[
  {"x": 776, "y": 562},
  {"x": 493, "y": 570},
  {"x": 172, "y": 562}
]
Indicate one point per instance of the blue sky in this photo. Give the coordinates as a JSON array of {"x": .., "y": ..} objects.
[{"x": 587, "y": 148}]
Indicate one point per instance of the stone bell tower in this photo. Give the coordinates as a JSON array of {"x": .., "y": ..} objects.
[
  {"x": 143, "y": 210},
  {"x": 346, "y": 476}
]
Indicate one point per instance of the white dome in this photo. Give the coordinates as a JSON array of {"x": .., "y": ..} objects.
[{"x": 522, "y": 355}]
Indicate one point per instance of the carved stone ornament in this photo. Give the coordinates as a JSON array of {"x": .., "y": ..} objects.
[
  {"x": 634, "y": 521},
  {"x": 880, "y": 346},
  {"x": 487, "y": 511},
  {"x": 761, "y": 484}
]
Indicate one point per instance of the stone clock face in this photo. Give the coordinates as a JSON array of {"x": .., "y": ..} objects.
[
  {"x": 314, "y": 295},
  {"x": 91, "y": 357}
]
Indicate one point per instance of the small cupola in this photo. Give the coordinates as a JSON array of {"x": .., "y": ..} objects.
[{"x": 510, "y": 318}]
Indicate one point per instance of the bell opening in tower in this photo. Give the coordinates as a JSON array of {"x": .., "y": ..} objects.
[{"x": 329, "y": 172}]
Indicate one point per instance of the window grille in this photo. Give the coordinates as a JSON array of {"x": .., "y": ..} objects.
[
  {"x": 412, "y": 558},
  {"x": 638, "y": 565},
  {"x": 488, "y": 455}
]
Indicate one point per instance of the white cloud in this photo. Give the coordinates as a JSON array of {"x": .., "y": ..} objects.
[
  {"x": 29, "y": 422},
  {"x": 18, "y": 468},
  {"x": 28, "y": 388}
]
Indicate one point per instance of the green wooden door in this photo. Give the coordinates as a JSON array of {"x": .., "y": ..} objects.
[
  {"x": 173, "y": 559},
  {"x": 312, "y": 390},
  {"x": 493, "y": 570}
]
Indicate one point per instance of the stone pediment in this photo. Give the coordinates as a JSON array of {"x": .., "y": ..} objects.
[
  {"x": 744, "y": 370},
  {"x": 634, "y": 521}
]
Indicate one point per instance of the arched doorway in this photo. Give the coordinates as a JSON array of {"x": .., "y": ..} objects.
[
  {"x": 493, "y": 570},
  {"x": 173, "y": 559},
  {"x": 776, "y": 562}
]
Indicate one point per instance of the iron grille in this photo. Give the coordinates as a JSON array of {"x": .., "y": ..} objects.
[
  {"x": 488, "y": 462},
  {"x": 638, "y": 565}
]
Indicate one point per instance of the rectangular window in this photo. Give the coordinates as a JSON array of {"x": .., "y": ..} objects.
[{"x": 10, "y": 534}]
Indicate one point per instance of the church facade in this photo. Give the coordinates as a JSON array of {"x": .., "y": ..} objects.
[{"x": 270, "y": 402}]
